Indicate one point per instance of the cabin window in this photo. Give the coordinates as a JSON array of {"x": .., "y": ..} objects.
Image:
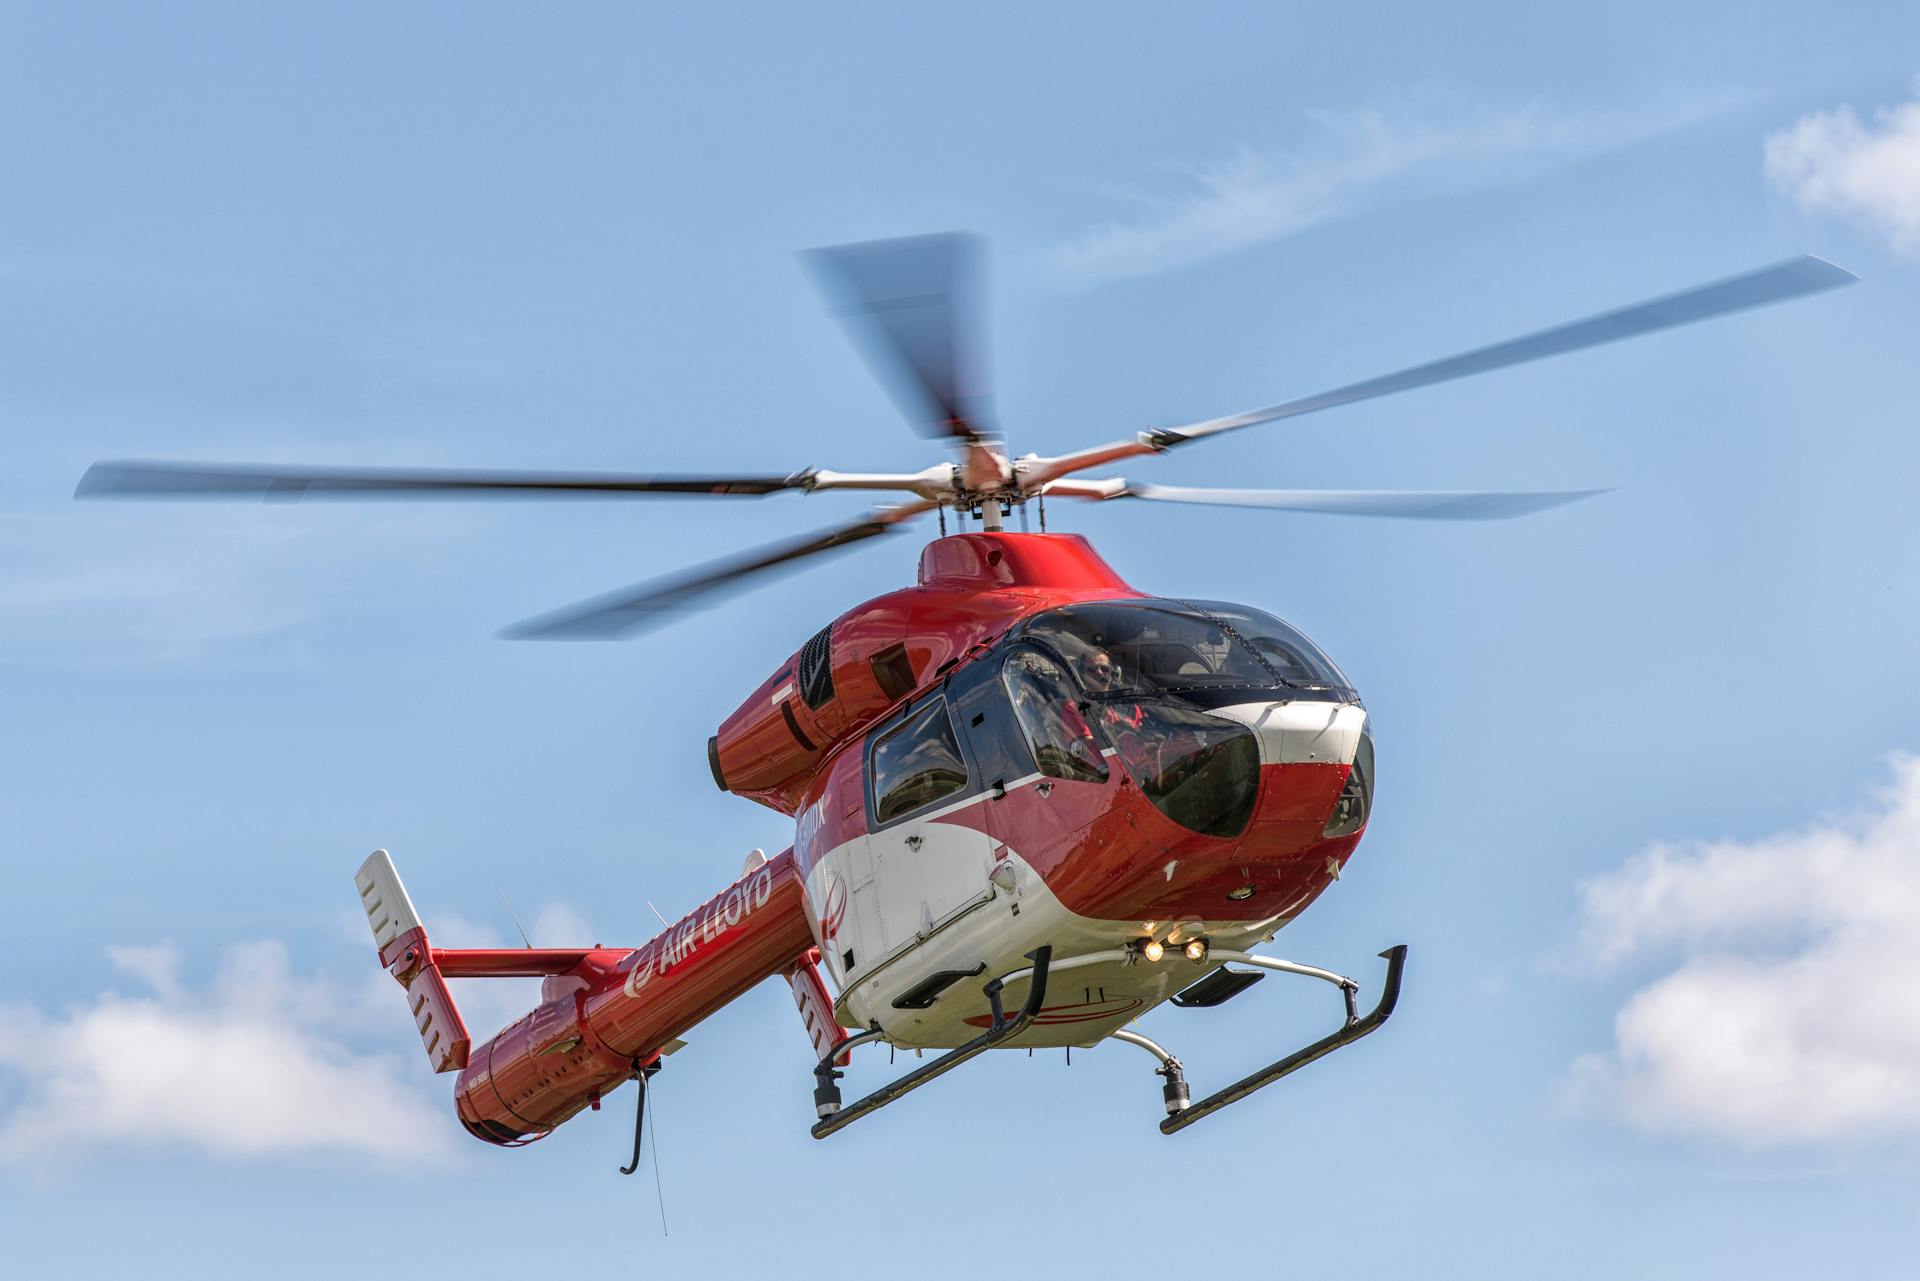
[
  {"x": 1057, "y": 732},
  {"x": 917, "y": 764}
]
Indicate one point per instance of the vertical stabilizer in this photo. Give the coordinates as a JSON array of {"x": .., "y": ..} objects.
[
  {"x": 404, "y": 950},
  {"x": 816, "y": 1006}
]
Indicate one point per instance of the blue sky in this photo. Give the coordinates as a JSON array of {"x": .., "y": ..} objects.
[{"x": 1643, "y": 817}]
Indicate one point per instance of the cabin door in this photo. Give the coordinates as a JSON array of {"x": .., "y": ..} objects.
[{"x": 931, "y": 855}]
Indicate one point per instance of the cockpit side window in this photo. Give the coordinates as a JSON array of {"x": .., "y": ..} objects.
[
  {"x": 1058, "y": 734},
  {"x": 917, "y": 764}
]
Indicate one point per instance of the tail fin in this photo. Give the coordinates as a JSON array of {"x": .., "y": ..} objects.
[
  {"x": 816, "y": 1006},
  {"x": 404, "y": 950}
]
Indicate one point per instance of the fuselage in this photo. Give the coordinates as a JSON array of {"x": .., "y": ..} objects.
[
  {"x": 1022, "y": 751},
  {"x": 1066, "y": 761}
]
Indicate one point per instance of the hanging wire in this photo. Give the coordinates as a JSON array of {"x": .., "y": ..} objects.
[{"x": 653, "y": 1141}]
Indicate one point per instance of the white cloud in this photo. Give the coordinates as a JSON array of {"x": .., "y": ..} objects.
[
  {"x": 1791, "y": 1018},
  {"x": 1338, "y": 162},
  {"x": 256, "y": 1064},
  {"x": 1831, "y": 162}
]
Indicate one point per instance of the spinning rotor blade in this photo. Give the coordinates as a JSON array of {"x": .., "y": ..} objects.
[
  {"x": 912, "y": 308},
  {"x": 290, "y": 484},
  {"x": 634, "y": 609},
  {"x": 1410, "y": 504},
  {"x": 1791, "y": 279}
]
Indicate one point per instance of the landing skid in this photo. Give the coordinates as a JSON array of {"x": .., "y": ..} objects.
[
  {"x": 1180, "y": 1112},
  {"x": 826, "y": 1094}
]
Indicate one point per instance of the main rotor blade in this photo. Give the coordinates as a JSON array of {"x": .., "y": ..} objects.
[
  {"x": 912, "y": 308},
  {"x": 1793, "y": 278},
  {"x": 291, "y": 484},
  {"x": 635, "y": 609},
  {"x": 1408, "y": 504}
]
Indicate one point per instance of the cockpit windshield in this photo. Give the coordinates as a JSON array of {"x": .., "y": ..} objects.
[{"x": 1204, "y": 652}]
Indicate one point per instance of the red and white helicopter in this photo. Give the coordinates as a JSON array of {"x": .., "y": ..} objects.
[{"x": 1030, "y": 802}]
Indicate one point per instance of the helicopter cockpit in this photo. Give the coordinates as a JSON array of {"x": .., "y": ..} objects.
[
  {"x": 1206, "y": 653},
  {"x": 1142, "y": 678}
]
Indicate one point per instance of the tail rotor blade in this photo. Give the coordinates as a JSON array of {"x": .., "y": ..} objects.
[
  {"x": 912, "y": 307},
  {"x": 635, "y": 609}
]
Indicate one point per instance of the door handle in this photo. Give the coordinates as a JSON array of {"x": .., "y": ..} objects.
[
  {"x": 913, "y": 842},
  {"x": 999, "y": 789}
]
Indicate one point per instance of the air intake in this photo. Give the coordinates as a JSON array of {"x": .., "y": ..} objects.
[{"x": 816, "y": 668}]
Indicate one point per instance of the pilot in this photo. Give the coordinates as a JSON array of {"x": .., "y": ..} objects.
[
  {"x": 1099, "y": 674},
  {"x": 1097, "y": 671}
]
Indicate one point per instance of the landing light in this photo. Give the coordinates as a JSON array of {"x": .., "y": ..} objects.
[
  {"x": 1197, "y": 950},
  {"x": 1242, "y": 894},
  {"x": 1153, "y": 949}
]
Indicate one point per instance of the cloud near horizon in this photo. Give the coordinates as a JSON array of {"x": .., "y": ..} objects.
[
  {"x": 256, "y": 1064},
  {"x": 1339, "y": 163},
  {"x": 1830, "y": 162},
  {"x": 1790, "y": 1018}
]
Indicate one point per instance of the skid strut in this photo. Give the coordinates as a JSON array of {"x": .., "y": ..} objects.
[
  {"x": 826, "y": 1094},
  {"x": 1356, "y": 1027},
  {"x": 1175, "y": 1092}
]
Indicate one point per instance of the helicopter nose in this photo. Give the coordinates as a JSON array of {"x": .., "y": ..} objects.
[{"x": 1303, "y": 733}]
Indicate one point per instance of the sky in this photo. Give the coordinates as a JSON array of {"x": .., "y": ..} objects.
[{"x": 1648, "y": 814}]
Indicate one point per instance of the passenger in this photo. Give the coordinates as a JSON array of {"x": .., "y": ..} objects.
[{"x": 1212, "y": 651}]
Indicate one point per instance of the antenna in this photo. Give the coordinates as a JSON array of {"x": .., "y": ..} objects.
[
  {"x": 656, "y": 912},
  {"x": 516, "y": 921}
]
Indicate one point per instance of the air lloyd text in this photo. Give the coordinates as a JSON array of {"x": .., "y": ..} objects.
[{"x": 702, "y": 925}]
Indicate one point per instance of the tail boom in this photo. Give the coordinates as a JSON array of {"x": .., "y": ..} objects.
[{"x": 606, "y": 1013}]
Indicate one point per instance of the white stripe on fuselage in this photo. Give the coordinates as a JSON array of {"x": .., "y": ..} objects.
[{"x": 1302, "y": 733}]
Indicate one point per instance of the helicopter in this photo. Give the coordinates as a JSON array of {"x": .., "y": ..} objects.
[{"x": 1030, "y": 802}]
